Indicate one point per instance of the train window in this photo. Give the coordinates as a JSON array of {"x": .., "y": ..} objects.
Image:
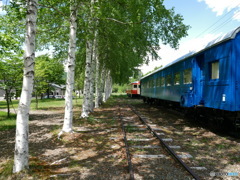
[
  {"x": 162, "y": 81},
  {"x": 158, "y": 82},
  {"x": 177, "y": 78},
  {"x": 187, "y": 76},
  {"x": 168, "y": 80},
  {"x": 215, "y": 70},
  {"x": 134, "y": 86},
  {"x": 154, "y": 82},
  {"x": 150, "y": 83}
]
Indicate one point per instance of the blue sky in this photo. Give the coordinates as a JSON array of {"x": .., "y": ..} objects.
[
  {"x": 1, "y": 3},
  {"x": 208, "y": 20}
]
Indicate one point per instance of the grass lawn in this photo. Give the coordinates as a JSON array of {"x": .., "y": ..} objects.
[
  {"x": 43, "y": 104},
  {"x": 7, "y": 123},
  {"x": 48, "y": 104}
]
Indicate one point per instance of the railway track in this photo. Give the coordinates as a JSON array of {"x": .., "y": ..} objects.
[
  {"x": 204, "y": 121},
  {"x": 149, "y": 154}
]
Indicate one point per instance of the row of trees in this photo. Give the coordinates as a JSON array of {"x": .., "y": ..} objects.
[
  {"x": 103, "y": 42},
  {"x": 47, "y": 71}
]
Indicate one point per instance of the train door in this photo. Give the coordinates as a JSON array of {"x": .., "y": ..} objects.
[{"x": 200, "y": 79}]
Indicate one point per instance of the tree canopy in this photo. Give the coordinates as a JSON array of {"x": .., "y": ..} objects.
[
  {"x": 109, "y": 39},
  {"x": 47, "y": 71}
]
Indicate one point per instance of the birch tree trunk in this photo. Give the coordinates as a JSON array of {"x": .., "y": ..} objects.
[
  {"x": 86, "y": 107},
  {"x": 92, "y": 82},
  {"x": 93, "y": 72},
  {"x": 108, "y": 86},
  {"x": 68, "y": 116},
  {"x": 97, "y": 82},
  {"x": 102, "y": 85},
  {"x": 21, "y": 153},
  {"x": 86, "y": 90}
]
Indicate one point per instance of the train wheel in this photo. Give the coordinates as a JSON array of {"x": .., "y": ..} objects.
[
  {"x": 144, "y": 100},
  {"x": 182, "y": 101},
  {"x": 148, "y": 101}
]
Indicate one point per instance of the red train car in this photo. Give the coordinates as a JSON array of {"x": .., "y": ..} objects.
[{"x": 133, "y": 89}]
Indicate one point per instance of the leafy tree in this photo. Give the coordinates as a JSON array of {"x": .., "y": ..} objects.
[
  {"x": 10, "y": 59},
  {"x": 128, "y": 33},
  {"x": 47, "y": 71},
  {"x": 10, "y": 77}
]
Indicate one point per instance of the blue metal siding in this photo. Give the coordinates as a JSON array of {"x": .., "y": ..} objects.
[
  {"x": 218, "y": 93},
  {"x": 173, "y": 92},
  {"x": 236, "y": 71},
  {"x": 222, "y": 93}
]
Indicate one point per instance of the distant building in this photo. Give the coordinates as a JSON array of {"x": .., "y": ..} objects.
[
  {"x": 57, "y": 89},
  {"x": 54, "y": 90}
]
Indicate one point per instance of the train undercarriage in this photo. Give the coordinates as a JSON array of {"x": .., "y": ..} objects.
[{"x": 221, "y": 119}]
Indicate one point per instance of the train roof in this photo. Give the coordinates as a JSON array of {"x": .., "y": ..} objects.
[
  {"x": 135, "y": 82},
  {"x": 228, "y": 36}
]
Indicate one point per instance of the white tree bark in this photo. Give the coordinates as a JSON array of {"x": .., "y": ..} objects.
[
  {"x": 86, "y": 90},
  {"x": 91, "y": 94},
  {"x": 93, "y": 72},
  {"x": 97, "y": 82},
  {"x": 21, "y": 153},
  {"x": 68, "y": 116},
  {"x": 102, "y": 85},
  {"x": 108, "y": 86},
  {"x": 109, "y": 89},
  {"x": 87, "y": 98}
]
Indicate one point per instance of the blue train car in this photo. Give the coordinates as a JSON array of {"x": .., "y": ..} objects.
[{"x": 208, "y": 78}]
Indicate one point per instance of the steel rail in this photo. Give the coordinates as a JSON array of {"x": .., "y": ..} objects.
[
  {"x": 165, "y": 145},
  {"x": 130, "y": 165}
]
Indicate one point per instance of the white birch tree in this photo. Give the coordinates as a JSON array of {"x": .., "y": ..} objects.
[
  {"x": 92, "y": 83},
  {"x": 86, "y": 90},
  {"x": 86, "y": 106},
  {"x": 68, "y": 116},
  {"x": 21, "y": 153},
  {"x": 108, "y": 86},
  {"x": 97, "y": 82}
]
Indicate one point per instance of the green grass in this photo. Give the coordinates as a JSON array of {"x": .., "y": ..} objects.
[
  {"x": 6, "y": 169},
  {"x": 7, "y": 123},
  {"x": 43, "y": 104},
  {"x": 3, "y": 104},
  {"x": 48, "y": 104}
]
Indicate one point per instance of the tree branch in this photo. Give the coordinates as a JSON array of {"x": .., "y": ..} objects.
[
  {"x": 121, "y": 22},
  {"x": 59, "y": 12},
  {"x": 115, "y": 20}
]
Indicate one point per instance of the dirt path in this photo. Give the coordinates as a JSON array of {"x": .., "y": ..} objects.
[
  {"x": 96, "y": 149},
  {"x": 89, "y": 153}
]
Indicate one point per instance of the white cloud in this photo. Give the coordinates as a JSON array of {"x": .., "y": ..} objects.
[
  {"x": 169, "y": 54},
  {"x": 236, "y": 15},
  {"x": 220, "y": 6},
  {"x": 1, "y": 4},
  {"x": 1, "y": 10}
]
